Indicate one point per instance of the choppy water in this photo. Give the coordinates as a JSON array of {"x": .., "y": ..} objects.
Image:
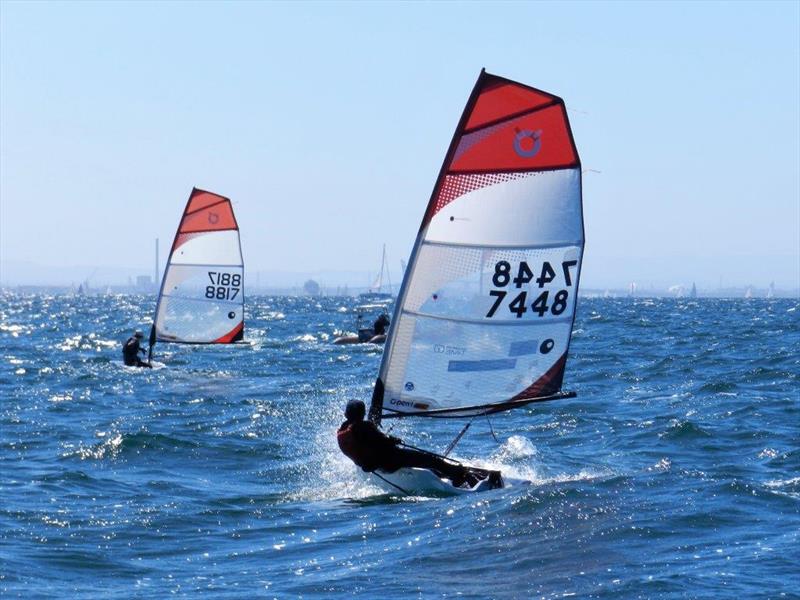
[{"x": 675, "y": 473}]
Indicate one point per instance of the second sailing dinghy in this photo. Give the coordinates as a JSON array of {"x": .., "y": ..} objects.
[
  {"x": 485, "y": 311},
  {"x": 202, "y": 292}
]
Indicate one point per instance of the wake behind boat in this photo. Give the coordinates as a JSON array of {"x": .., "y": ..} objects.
[{"x": 485, "y": 311}]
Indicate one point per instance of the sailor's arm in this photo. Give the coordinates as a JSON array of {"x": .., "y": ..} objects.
[{"x": 377, "y": 437}]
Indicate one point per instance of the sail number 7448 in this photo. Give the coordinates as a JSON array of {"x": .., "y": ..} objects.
[
  {"x": 224, "y": 286},
  {"x": 524, "y": 275}
]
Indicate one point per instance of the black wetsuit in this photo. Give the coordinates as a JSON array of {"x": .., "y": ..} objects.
[
  {"x": 130, "y": 353},
  {"x": 372, "y": 449},
  {"x": 380, "y": 324}
]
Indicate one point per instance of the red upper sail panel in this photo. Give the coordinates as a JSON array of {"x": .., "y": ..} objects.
[
  {"x": 534, "y": 141},
  {"x": 499, "y": 99},
  {"x": 205, "y": 211},
  {"x": 506, "y": 128}
]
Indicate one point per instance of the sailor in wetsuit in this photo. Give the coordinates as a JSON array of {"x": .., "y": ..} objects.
[
  {"x": 369, "y": 448},
  {"x": 131, "y": 349},
  {"x": 380, "y": 324}
]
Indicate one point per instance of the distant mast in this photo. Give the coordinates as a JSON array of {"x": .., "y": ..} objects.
[
  {"x": 377, "y": 285},
  {"x": 156, "y": 281},
  {"x": 375, "y": 290}
]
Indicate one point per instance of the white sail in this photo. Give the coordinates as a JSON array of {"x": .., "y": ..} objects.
[
  {"x": 202, "y": 291},
  {"x": 485, "y": 312},
  {"x": 377, "y": 290}
]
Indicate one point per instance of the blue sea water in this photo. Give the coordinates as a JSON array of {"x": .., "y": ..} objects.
[{"x": 674, "y": 473}]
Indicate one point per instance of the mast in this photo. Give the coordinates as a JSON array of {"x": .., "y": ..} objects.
[
  {"x": 155, "y": 276},
  {"x": 383, "y": 262},
  {"x": 386, "y": 265},
  {"x": 152, "y": 338}
]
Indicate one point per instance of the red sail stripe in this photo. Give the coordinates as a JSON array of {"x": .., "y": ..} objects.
[
  {"x": 234, "y": 335},
  {"x": 547, "y": 384}
]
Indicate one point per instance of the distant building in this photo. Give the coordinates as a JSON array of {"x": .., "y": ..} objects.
[
  {"x": 144, "y": 283},
  {"x": 311, "y": 287}
]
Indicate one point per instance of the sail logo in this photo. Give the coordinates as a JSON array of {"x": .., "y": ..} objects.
[
  {"x": 527, "y": 149},
  {"x": 213, "y": 218},
  {"x": 451, "y": 350},
  {"x": 409, "y": 386}
]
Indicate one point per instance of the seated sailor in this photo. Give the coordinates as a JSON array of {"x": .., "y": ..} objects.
[
  {"x": 131, "y": 349},
  {"x": 371, "y": 449},
  {"x": 380, "y": 324}
]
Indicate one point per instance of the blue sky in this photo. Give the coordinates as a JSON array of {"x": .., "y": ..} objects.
[{"x": 327, "y": 123}]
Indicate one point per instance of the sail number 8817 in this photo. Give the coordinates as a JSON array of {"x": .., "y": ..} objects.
[
  {"x": 224, "y": 286},
  {"x": 519, "y": 304}
]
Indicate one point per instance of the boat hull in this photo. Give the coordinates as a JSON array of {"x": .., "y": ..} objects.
[
  {"x": 365, "y": 336},
  {"x": 422, "y": 482}
]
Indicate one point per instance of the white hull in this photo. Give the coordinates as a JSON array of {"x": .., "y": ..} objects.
[{"x": 422, "y": 482}]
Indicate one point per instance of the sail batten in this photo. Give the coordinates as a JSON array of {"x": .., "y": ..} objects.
[
  {"x": 560, "y": 244},
  {"x": 506, "y": 323},
  {"x": 476, "y": 410},
  {"x": 201, "y": 300},
  {"x": 500, "y": 245}
]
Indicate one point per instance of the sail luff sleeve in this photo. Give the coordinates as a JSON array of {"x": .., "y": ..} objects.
[{"x": 488, "y": 300}]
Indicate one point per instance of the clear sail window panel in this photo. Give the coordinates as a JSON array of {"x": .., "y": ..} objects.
[
  {"x": 193, "y": 320},
  {"x": 455, "y": 282},
  {"x": 439, "y": 361}
]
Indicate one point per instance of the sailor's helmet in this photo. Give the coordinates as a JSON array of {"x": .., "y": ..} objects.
[{"x": 355, "y": 410}]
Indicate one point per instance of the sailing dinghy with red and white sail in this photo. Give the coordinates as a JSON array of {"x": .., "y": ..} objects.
[
  {"x": 485, "y": 312},
  {"x": 201, "y": 300}
]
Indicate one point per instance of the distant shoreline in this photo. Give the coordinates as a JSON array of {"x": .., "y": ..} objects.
[{"x": 352, "y": 292}]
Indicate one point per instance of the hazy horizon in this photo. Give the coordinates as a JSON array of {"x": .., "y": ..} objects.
[
  {"x": 327, "y": 123},
  {"x": 26, "y": 274}
]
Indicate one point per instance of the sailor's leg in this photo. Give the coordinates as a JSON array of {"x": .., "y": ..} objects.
[{"x": 406, "y": 457}]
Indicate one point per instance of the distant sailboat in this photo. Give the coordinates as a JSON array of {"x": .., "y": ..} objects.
[
  {"x": 201, "y": 300},
  {"x": 693, "y": 292},
  {"x": 377, "y": 291},
  {"x": 485, "y": 312}
]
